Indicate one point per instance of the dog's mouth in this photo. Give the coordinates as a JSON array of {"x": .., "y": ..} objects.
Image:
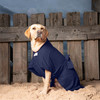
[{"x": 38, "y": 36}]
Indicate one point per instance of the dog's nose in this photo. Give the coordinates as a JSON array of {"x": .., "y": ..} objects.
[{"x": 39, "y": 32}]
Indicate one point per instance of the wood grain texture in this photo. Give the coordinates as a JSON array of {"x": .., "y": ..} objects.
[
  {"x": 96, "y": 5},
  {"x": 65, "y": 21},
  {"x": 55, "y": 19},
  {"x": 4, "y": 53},
  {"x": 99, "y": 44},
  {"x": 99, "y": 18},
  {"x": 91, "y": 53},
  {"x": 47, "y": 22},
  {"x": 59, "y": 33},
  {"x": 37, "y": 19},
  {"x": 20, "y": 52},
  {"x": 74, "y": 47}
]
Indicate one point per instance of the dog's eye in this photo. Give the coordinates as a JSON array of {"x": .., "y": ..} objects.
[
  {"x": 34, "y": 28},
  {"x": 42, "y": 28}
]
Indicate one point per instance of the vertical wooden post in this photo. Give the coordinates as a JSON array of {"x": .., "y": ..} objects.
[
  {"x": 37, "y": 19},
  {"x": 55, "y": 19},
  {"x": 91, "y": 53},
  {"x": 20, "y": 52},
  {"x": 4, "y": 53},
  {"x": 99, "y": 44},
  {"x": 74, "y": 47},
  {"x": 47, "y": 21},
  {"x": 99, "y": 18}
]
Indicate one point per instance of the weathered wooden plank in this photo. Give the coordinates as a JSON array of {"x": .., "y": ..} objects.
[
  {"x": 8, "y": 34},
  {"x": 37, "y": 19},
  {"x": 74, "y": 47},
  {"x": 94, "y": 29},
  {"x": 47, "y": 21},
  {"x": 99, "y": 18},
  {"x": 4, "y": 20},
  {"x": 65, "y": 22},
  {"x": 20, "y": 20},
  {"x": 20, "y": 52},
  {"x": 4, "y": 53},
  {"x": 96, "y": 5},
  {"x": 99, "y": 44},
  {"x": 90, "y": 18},
  {"x": 55, "y": 19},
  {"x": 91, "y": 53},
  {"x": 73, "y": 19}
]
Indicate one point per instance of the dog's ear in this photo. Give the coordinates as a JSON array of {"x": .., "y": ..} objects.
[{"x": 27, "y": 33}]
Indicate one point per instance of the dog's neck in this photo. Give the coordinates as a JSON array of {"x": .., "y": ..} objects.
[{"x": 36, "y": 45}]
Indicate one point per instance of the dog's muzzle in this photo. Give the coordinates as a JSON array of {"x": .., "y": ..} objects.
[{"x": 39, "y": 34}]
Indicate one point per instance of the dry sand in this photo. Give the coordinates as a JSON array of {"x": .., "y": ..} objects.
[{"x": 30, "y": 91}]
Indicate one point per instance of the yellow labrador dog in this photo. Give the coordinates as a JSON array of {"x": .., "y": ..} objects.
[
  {"x": 49, "y": 63},
  {"x": 38, "y": 35}
]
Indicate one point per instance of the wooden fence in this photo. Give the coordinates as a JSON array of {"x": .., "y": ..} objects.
[{"x": 60, "y": 30}]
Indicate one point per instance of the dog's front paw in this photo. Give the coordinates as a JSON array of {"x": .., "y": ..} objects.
[{"x": 44, "y": 92}]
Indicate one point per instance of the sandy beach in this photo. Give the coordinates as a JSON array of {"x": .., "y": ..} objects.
[{"x": 31, "y": 91}]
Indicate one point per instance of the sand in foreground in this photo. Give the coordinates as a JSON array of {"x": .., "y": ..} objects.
[{"x": 30, "y": 91}]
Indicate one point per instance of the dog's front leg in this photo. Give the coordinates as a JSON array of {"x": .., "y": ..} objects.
[
  {"x": 46, "y": 82},
  {"x": 43, "y": 79}
]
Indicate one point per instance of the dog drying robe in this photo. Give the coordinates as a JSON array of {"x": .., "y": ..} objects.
[{"x": 61, "y": 68}]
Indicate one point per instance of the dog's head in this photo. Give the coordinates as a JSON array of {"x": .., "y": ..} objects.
[{"x": 37, "y": 32}]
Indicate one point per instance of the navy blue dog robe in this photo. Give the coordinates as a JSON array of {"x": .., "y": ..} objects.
[{"x": 61, "y": 68}]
